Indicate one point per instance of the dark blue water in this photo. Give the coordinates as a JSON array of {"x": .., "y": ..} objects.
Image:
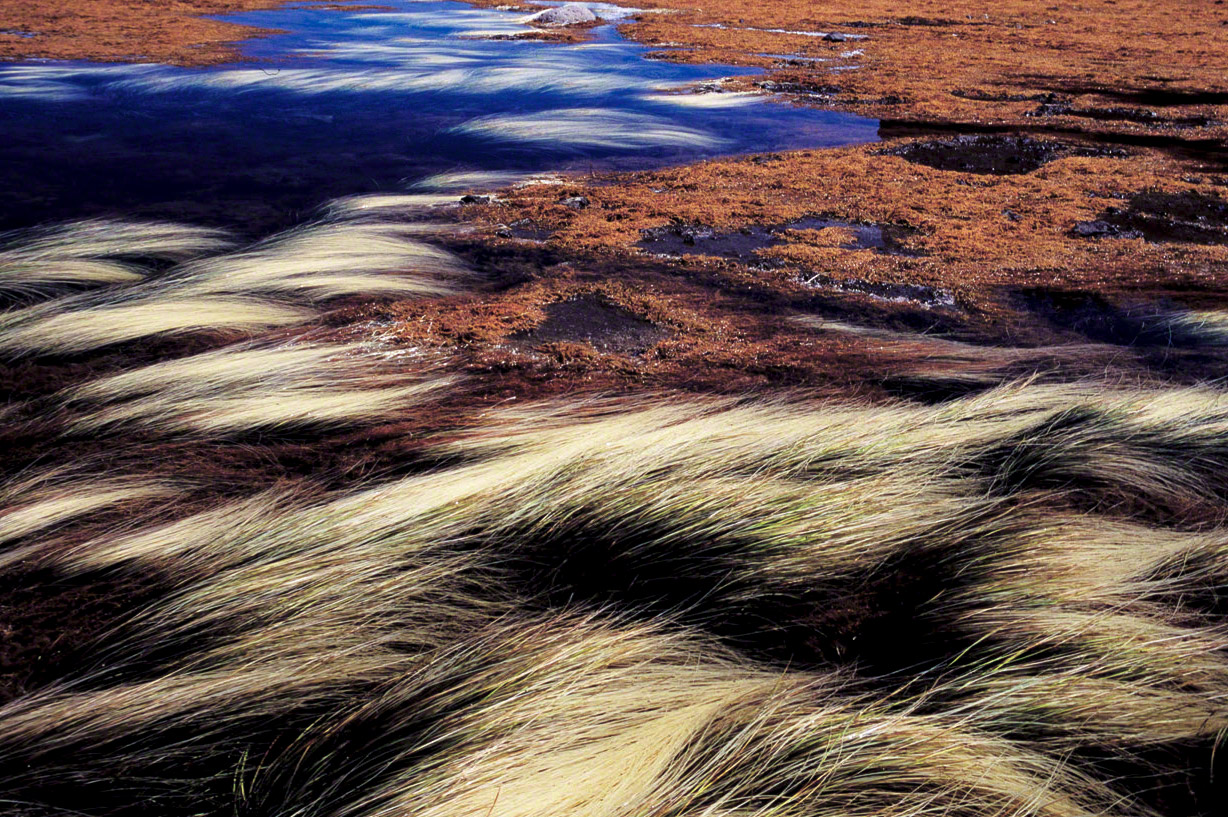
[{"x": 363, "y": 101}]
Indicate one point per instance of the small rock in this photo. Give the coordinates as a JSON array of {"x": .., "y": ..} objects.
[
  {"x": 1094, "y": 229},
  {"x": 1103, "y": 229},
  {"x": 472, "y": 199},
  {"x": 1011, "y": 215},
  {"x": 572, "y": 14},
  {"x": 835, "y": 38},
  {"x": 1052, "y": 105},
  {"x": 772, "y": 86},
  {"x": 576, "y": 202},
  {"x": 698, "y": 233}
]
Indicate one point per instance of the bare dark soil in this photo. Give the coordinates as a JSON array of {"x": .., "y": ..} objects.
[
  {"x": 994, "y": 155},
  {"x": 593, "y": 320},
  {"x": 700, "y": 239},
  {"x": 47, "y": 621},
  {"x": 1184, "y": 218}
]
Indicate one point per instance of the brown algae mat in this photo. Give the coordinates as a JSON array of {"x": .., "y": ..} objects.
[
  {"x": 173, "y": 31},
  {"x": 1112, "y": 66},
  {"x": 1039, "y": 181}
]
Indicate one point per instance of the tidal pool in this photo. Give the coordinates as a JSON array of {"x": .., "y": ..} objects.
[{"x": 347, "y": 102}]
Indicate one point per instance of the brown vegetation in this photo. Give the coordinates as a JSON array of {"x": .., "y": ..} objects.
[
  {"x": 168, "y": 31},
  {"x": 1142, "y": 67},
  {"x": 1017, "y": 217}
]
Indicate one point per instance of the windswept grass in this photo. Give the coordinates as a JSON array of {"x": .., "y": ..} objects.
[
  {"x": 237, "y": 390},
  {"x": 60, "y": 328},
  {"x": 942, "y": 367},
  {"x": 85, "y": 254},
  {"x": 400, "y": 203},
  {"x": 41, "y": 502},
  {"x": 328, "y": 260},
  {"x": 673, "y": 607},
  {"x": 1007, "y": 605},
  {"x": 1205, "y": 327},
  {"x": 277, "y": 282}
]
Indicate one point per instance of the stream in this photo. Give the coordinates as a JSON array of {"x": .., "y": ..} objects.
[{"x": 360, "y": 101}]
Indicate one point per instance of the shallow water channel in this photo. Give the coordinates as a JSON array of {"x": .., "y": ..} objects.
[{"x": 346, "y": 102}]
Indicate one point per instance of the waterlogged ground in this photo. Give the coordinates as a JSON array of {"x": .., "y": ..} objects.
[
  {"x": 771, "y": 241},
  {"x": 352, "y": 101}
]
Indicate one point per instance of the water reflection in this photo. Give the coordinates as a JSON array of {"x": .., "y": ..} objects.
[{"x": 362, "y": 101}]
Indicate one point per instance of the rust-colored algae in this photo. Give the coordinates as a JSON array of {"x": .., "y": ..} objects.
[
  {"x": 1022, "y": 140},
  {"x": 1019, "y": 141},
  {"x": 1113, "y": 66},
  {"x": 975, "y": 235},
  {"x": 171, "y": 31}
]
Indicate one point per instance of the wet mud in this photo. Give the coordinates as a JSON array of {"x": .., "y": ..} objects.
[
  {"x": 745, "y": 242},
  {"x": 592, "y": 320},
  {"x": 1184, "y": 218},
  {"x": 994, "y": 155}
]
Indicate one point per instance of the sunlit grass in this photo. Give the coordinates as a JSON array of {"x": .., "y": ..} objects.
[{"x": 668, "y": 605}]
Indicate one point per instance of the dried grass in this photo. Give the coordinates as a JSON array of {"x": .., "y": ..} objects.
[
  {"x": 277, "y": 282},
  {"x": 87, "y": 254},
  {"x": 240, "y": 390},
  {"x": 1010, "y": 605}
]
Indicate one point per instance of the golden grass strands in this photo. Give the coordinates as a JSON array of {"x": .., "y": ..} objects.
[
  {"x": 1199, "y": 327},
  {"x": 273, "y": 283},
  {"x": 637, "y": 606},
  {"x": 404, "y": 204},
  {"x": 110, "y": 238},
  {"x": 41, "y": 330},
  {"x": 95, "y": 253},
  {"x": 329, "y": 260},
  {"x": 650, "y": 726},
  {"x": 41, "y": 503},
  {"x": 238, "y": 389}
]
